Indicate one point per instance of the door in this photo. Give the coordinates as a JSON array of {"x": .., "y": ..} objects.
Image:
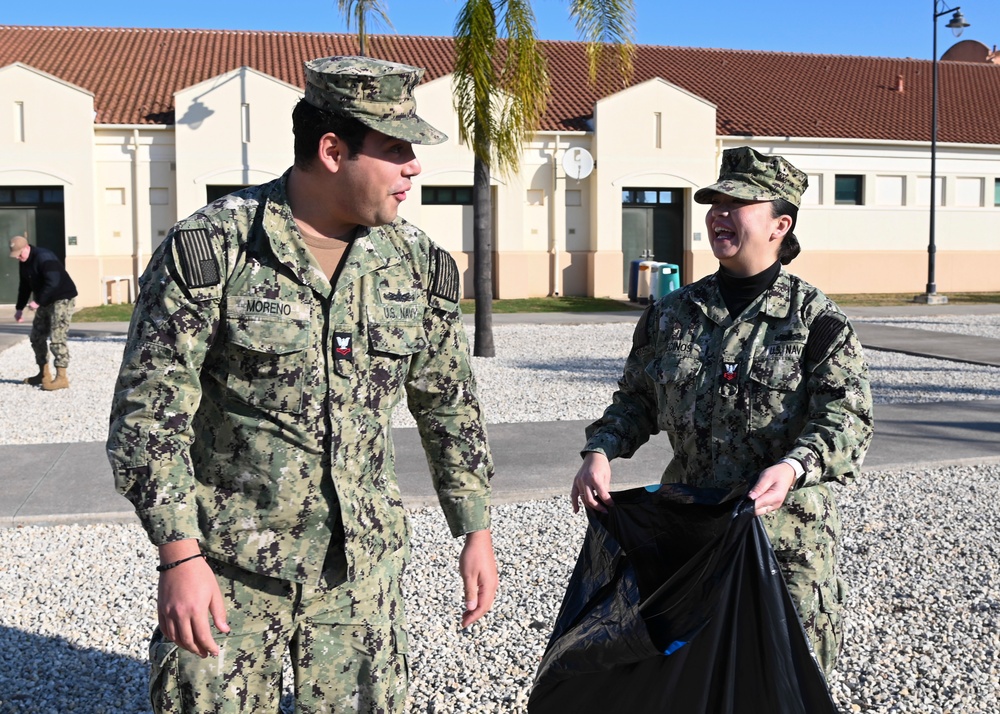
[
  {"x": 37, "y": 213},
  {"x": 652, "y": 227},
  {"x": 13, "y": 222}
]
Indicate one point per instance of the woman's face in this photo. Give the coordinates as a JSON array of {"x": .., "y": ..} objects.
[{"x": 744, "y": 236}]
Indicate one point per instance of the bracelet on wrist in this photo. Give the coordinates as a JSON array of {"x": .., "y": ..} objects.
[{"x": 168, "y": 566}]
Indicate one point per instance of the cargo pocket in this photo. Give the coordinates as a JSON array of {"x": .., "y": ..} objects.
[
  {"x": 675, "y": 379},
  {"x": 391, "y": 347},
  {"x": 828, "y": 636},
  {"x": 162, "y": 672},
  {"x": 267, "y": 362},
  {"x": 774, "y": 384},
  {"x": 401, "y": 650}
]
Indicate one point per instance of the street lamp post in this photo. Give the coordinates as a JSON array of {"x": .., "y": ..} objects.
[{"x": 957, "y": 24}]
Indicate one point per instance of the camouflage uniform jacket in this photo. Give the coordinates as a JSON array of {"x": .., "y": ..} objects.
[
  {"x": 253, "y": 406},
  {"x": 787, "y": 378}
]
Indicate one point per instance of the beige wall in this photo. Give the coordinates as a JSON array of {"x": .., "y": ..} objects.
[
  {"x": 47, "y": 139},
  {"x": 135, "y": 201},
  {"x": 653, "y": 135},
  {"x": 220, "y": 143}
]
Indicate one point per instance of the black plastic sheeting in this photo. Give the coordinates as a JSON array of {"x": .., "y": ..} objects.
[{"x": 677, "y": 605}]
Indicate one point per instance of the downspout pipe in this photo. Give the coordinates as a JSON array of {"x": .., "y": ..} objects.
[
  {"x": 554, "y": 282},
  {"x": 137, "y": 263}
]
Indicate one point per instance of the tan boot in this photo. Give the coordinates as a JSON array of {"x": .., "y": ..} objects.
[
  {"x": 60, "y": 382},
  {"x": 43, "y": 376}
]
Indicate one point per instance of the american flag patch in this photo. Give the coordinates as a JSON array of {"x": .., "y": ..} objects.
[
  {"x": 198, "y": 263},
  {"x": 444, "y": 275}
]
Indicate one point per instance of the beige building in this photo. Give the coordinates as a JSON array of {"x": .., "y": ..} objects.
[{"x": 108, "y": 136}]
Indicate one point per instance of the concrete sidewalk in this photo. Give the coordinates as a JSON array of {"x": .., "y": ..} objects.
[{"x": 72, "y": 483}]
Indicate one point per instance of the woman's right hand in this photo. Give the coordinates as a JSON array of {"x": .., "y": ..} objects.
[{"x": 591, "y": 483}]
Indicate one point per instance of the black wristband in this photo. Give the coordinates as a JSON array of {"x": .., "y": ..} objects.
[{"x": 168, "y": 566}]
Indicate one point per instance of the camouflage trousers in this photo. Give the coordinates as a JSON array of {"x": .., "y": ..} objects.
[
  {"x": 50, "y": 330},
  {"x": 346, "y": 642},
  {"x": 806, "y": 548}
]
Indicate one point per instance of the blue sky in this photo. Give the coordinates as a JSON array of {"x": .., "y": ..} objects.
[{"x": 886, "y": 28}]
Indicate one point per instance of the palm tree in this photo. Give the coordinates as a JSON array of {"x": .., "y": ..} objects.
[
  {"x": 364, "y": 13},
  {"x": 501, "y": 86}
]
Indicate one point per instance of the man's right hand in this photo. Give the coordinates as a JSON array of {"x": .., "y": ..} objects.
[
  {"x": 591, "y": 483},
  {"x": 187, "y": 594},
  {"x": 18, "y": 315}
]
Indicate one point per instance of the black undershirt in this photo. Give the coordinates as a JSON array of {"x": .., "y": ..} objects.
[{"x": 737, "y": 292}]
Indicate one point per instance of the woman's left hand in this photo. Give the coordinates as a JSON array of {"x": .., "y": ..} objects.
[{"x": 771, "y": 488}]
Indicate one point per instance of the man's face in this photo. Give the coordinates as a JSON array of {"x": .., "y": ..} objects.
[
  {"x": 377, "y": 179},
  {"x": 23, "y": 255}
]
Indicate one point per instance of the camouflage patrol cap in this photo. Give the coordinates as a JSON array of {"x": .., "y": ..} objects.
[
  {"x": 752, "y": 176},
  {"x": 379, "y": 94}
]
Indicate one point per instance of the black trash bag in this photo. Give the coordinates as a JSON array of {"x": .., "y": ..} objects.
[{"x": 677, "y": 605}]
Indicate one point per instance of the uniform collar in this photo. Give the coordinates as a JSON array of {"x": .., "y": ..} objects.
[{"x": 774, "y": 302}]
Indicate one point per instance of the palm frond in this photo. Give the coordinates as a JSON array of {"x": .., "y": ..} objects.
[
  {"x": 366, "y": 15},
  {"x": 601, "y": 22}
]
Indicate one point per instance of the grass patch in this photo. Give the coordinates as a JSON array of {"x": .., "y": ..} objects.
[
  {"x": 553, "y": 304},
  {"x": 104, "y": 313},
  {"x": 889, "y": 299}
]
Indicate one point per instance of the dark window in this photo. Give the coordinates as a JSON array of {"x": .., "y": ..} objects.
[
  {"x": 215, "y": 192},
  {"x": 446, "y": 195},
  {"x": 848, "y": 190},
  {"x": 52, "y": 195},
  {"x": 996, "y": 192},
  {"x": 649, "y": 197},
  {"x": 31, "y": 196},
  {"x": 27, "y": 195}
]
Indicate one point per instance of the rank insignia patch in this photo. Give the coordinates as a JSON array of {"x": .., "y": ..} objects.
[
  {"x": 731, "y": 372},
  {"x": 342, "y": 346}
]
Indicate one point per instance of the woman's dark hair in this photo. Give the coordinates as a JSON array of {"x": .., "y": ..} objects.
[
  {"x": 309, "y": 124},
  {"x": 789, "y": 244}
]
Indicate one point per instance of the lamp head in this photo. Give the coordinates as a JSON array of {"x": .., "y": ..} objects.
[{"x": 957, "y": 23}]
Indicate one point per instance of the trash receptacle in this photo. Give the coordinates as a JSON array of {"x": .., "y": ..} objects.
[
  {"x": 642, "y": 280},
  {"x": 668, "y": 279}
]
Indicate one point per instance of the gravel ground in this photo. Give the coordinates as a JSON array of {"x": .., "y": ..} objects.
[
  {"x": 922, "y": 623},
  {"x": 973, "y": 325},
  {"x": 576, "y": 367},
  {"x": 77, "y": 603}
]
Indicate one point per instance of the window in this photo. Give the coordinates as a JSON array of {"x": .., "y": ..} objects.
[
  {"x": 31, "y": 196},
  {"x": 848, "y": 190},
  {"x": 649, "y": 196},
  {"x": 996, "y": 192},
  {"x": 213, "y": 192},
  {"x": 446, "y": 195}
]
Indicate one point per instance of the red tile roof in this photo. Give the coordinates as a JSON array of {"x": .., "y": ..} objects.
[{"x": 133, "y": 73}]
